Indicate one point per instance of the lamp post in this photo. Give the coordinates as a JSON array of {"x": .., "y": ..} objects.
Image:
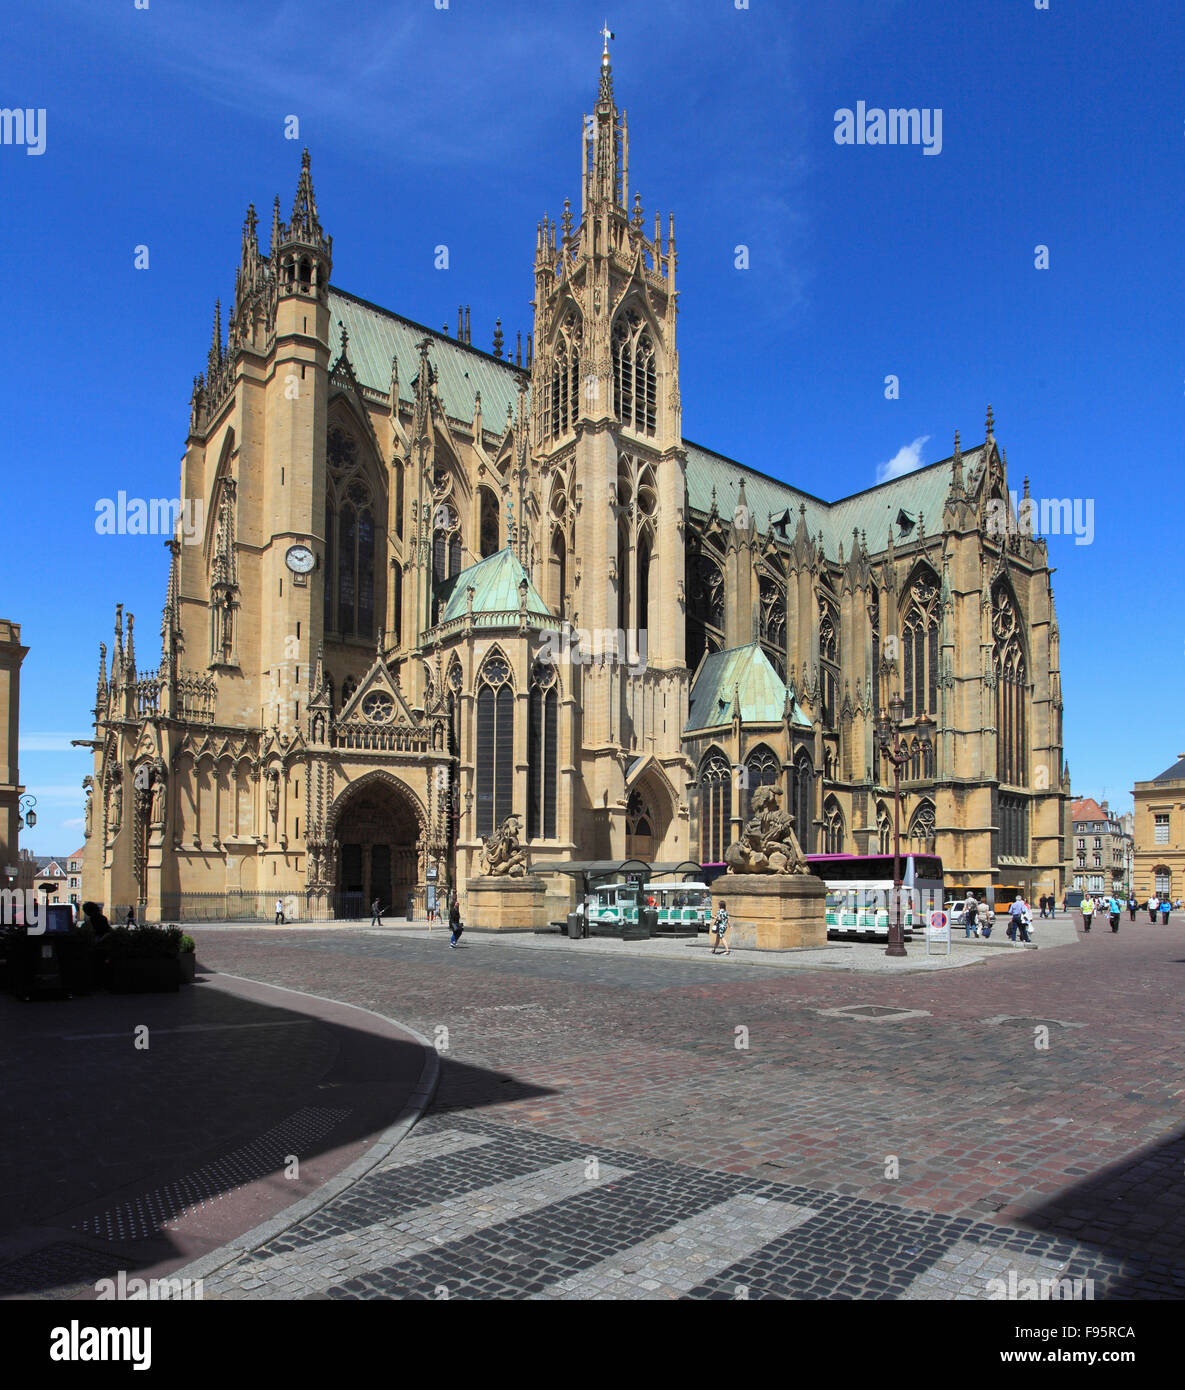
[
  {"x": 888, "y": 733},
  {"x": 25, "y": 812}
]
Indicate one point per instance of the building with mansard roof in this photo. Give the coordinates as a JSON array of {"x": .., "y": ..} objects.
[{"x": 437, "y": 586}]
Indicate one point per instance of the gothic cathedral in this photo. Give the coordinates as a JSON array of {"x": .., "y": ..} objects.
[{"x": 435, "y": 587}]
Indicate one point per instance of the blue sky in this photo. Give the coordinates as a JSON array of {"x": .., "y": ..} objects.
[{"x": 1061, "y": 127}]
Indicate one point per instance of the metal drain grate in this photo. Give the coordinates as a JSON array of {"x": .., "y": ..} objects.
[
  {"x": 141, "y": 1217},
  {"x": 873, "y": 1013}
]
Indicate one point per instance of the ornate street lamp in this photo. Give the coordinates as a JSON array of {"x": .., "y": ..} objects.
[
  {"x": 888, "y": 734},
  {"x": 25, "y": 812}
]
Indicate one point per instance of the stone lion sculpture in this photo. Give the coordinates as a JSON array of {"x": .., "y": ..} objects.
[
  {"x": 768, "y": 844},
  {"x": 502, "y": 853}
]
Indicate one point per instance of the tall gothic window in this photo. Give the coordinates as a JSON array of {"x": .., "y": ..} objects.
[
  {"x": 642, "y": 603},
  {"x": 1013, "y": 815},
  {"x": 397, "y": 604},
  {"x": 923, "y": 831},
  {"x": 715, "y": 808},
  {"x": 874, "y": 624},
  {"x": 495, "y": 745},
  {"x": 833, "y": 827},
  {"x": 1008, "y": 663},
  {"x": 635, "y": 394},
  {"x": 771, "y": 619},
  {"x": 558, "y": 570},
  {"x": 489, "y": 522},
  {"x": 542, "y": 744},
  {"x": 828, "y": 661},
  {"x": 397, "y": 468},
  {"x": 351, "y": 524},
  {"x": 446, "y": 551},
  {"x": 705, "y": 607},
  {"x": 561, "y": 403},
  {"x": 623, "y": 575},
  {"x": 919, "y": 646},
  {"x": 802, "y": 800}
]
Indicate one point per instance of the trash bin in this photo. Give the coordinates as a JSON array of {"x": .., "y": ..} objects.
[
  {"x": 575, "y": 926},
  {"x": 647, "y": 922}
]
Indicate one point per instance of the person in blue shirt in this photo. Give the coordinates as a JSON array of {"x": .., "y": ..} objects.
[
  {"x": 1114, "y": 909},
  {"x": 1016, "y": 927}
]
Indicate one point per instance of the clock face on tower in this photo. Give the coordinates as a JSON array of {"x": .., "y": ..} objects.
[{"x": 300, "y": 559}]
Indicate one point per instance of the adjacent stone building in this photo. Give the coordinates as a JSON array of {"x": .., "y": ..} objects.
[
  {"x": 1102, "y": 854},
  {"x": 1159, "y": 834},
  {"x": 437, "y": 586}
]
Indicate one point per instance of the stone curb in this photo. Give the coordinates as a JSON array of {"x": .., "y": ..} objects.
[{"x": 417, "y": 1103}]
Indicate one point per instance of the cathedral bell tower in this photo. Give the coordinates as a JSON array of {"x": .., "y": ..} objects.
[{"x": 607, "y": 435}]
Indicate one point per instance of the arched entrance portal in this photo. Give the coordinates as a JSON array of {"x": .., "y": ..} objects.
[{"x": 375, "y": 848}]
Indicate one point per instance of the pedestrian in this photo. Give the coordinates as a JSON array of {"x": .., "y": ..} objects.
[
  {"x": 970, "y": 916},
  {"x": 1113, "y": 910},
  {"x": 376, "y": 913},
  {"x": 1153, "y": 904},
  {"x": 1087, "y": 911},
  {"x": 455, "y": 927},
  {"x": 279, "y": 922},
  {"x": 1165, "y": 908},
  {"x": 720, "y": 929},
  {"x": 92, "y": 916},
  {"x": 130, "y": 919},
  {"x": 986, "y": 916},
  {"x": 1019, "y": 916},
  {"x": 1132, "y": 905},
  {"x": 1026, "y": 921}
]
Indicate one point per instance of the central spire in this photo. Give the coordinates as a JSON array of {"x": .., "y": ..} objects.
[
  {"x": 606, "y": 92},
  {"x": 605, "y": 145}
]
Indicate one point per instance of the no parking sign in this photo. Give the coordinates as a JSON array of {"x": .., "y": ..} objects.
[{"x": 938, "y": 930}]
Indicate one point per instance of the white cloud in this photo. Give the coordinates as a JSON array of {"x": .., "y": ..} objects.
[
  {"x": 905, "y": 460},
  {"x": 75, "y": 824}
]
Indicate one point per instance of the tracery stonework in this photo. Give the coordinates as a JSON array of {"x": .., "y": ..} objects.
[{"x": 426, "y": 562}]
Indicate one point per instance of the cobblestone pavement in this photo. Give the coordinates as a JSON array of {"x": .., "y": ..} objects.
[{"x": 652, "y": 1128}]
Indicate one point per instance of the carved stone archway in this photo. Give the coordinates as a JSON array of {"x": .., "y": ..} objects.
[{"x": 375, "y": 831}]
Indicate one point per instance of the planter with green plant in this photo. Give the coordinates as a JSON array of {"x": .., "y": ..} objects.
[
  {"x": 188, "y": 959},
  {"x": 141, "y": 960}
]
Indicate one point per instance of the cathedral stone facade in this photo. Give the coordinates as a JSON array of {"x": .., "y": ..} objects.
[{"x": 436, "y": 586}]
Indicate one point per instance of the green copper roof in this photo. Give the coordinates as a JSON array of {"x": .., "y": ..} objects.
[
  {"x": 376, "y": 335},
  {"x": 495, "y": 581},
  {"x": 920, "y": 493},
  {"x": 740, "y": 669}
]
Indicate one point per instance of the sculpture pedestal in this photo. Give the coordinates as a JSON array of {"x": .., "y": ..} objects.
[
  {"x": 774, "y": 912},
  {"x": 497, "y": 903}
]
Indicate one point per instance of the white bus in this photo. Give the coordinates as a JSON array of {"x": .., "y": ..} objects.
[{"x": 860, "y": 892}]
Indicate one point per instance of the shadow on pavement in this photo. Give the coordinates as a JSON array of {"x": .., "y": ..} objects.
[
  {"x": 142, "y": 1131},
  {"x": 1134, "y": 1212}
]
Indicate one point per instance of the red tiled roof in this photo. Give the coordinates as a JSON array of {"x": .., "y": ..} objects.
[{"x": 1087, "y": 809}]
